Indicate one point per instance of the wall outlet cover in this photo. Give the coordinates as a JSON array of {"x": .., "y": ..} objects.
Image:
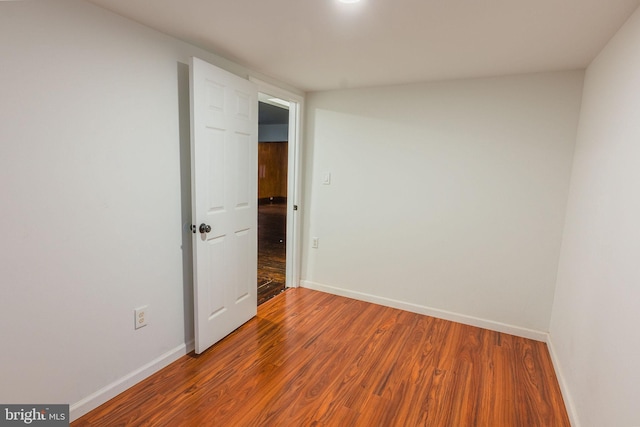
[{"x": 141, "y": 316}]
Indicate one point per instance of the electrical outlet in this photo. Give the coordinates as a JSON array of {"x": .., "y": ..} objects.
[
  {"x": 141, "y": 316},
  {"x": 314, "y": 242}
]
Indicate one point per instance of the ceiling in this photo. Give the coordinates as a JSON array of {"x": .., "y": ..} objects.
[{"x": 322, "y": 44}]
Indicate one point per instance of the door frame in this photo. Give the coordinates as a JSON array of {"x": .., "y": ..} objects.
[{"x": 294, "y": 223}]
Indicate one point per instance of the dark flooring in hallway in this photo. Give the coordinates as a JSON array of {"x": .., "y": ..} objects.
[{"x": 272, "y": 238}]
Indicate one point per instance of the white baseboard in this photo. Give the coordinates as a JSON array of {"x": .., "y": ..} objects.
[
  {"x": 566, "y": 396},
  {"x": 429, "y": 311},
  {"x": 467, "y": 320},
  {"x": 101, "y": 396}
]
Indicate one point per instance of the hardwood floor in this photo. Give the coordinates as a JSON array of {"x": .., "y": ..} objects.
[
  {"x": 315, "y": 359},
  {"x": 272, "y": 238}
]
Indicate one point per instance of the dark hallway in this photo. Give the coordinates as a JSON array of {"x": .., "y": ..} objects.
[
  {"x": 272, "y": 196},
  {"x": 272, "y": 238}
]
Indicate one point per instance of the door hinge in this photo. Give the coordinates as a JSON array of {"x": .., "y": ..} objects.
[{"x": 295, "y": 207}]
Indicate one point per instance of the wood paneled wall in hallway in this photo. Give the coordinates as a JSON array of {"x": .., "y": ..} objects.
[{"x": 272, "y": 169}]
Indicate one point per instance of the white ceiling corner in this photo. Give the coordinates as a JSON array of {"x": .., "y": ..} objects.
[{"x": 322, "y": 44}]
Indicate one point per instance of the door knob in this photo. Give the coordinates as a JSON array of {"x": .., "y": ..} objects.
[{"x": 204, "y": 228}]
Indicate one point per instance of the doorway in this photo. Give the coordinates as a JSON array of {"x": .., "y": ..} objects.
[
  {"x": 273, "y": 142},
  {"x": 293, "y": 211}
]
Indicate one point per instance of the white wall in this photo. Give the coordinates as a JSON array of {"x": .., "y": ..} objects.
[
  {"x": 94, "y": 183},
  {"x": 447, "y": 196},
  {"x": 596, "y": 313}
]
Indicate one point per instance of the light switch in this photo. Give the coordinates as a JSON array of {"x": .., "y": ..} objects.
[{"x": 326, "y": 178}]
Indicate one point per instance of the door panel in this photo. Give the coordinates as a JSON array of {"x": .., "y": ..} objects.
[{"x": 224, "y": 176}]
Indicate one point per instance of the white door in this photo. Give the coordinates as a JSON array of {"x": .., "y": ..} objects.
[{"x": 224, "y": 148}]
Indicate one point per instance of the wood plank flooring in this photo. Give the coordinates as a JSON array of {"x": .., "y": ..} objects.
[
  {"x": 315, "y": 359},
  {"x": 272, "y": 238}
]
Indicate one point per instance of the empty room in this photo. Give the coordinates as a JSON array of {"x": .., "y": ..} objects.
[{"x": 456, "y": 202}]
